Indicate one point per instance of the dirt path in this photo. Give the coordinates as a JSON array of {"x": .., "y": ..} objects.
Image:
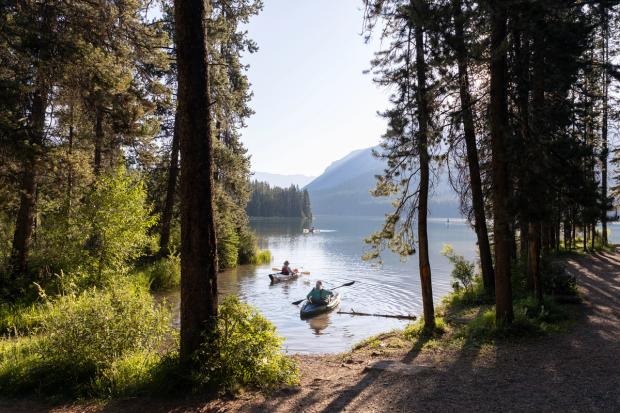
[{"x": 574, "y": 372}]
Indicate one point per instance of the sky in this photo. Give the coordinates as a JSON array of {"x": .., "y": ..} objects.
[{"x": 313, "y": 102}]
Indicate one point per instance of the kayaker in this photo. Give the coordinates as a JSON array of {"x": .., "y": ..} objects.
[
  {"x": 319, "y": 295},
  {"x": 286, "y": 269}
]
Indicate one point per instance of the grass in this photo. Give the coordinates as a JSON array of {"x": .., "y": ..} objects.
[
  {"x": 261, "y": 257},
  {"x": 466, "y": 317}
]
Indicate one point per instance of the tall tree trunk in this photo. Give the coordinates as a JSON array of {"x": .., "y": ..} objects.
[
  {"x": 537, "y": 229},
  {"x": 198, "y": 242},
  {"x": 422, "y": 143},
  {"x": 70, "y": 167},
  {"x": 604, "y": 149},
  {"x": 533, "y": 263},
  {"x": 523, "y": 237},
  {"x": 522, "y": 69},
  {"x": 173, "y": 173},
  {"x": 486, "y": 262},
  {"x": 98, "y": 138},
  {"x": 22, "y": 237},
  {"x": 498, "y": 122}
]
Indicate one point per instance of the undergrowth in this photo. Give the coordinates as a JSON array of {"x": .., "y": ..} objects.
[{"x": 467, "y": 315}]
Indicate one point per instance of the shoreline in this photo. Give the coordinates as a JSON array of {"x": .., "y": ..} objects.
[{"x": 557, "y": 371}]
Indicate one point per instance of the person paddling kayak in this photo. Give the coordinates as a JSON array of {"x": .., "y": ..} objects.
[
  {"x": 286, "y": 269},
  {"x": 319, "y": 295}
]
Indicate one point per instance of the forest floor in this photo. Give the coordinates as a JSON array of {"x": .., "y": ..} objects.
[{"x": 574, "y": 371}]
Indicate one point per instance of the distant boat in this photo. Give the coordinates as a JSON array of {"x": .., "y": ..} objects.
[{"x": 311, "y": 230}]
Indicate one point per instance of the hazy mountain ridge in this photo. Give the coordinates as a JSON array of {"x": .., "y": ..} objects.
[
  {"x": 282, "y": 181},
  {"x": 344, "y": 189}
]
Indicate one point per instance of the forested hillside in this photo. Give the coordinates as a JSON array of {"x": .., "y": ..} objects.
[
  {"x": 268, "y": 201},
  {"x": 345, "y": 189}
]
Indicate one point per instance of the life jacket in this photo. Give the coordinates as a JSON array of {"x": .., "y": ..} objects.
[{"x": 285, "y": 270}]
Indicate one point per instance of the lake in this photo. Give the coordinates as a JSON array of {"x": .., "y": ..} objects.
[{"x": 334, "y": 256}]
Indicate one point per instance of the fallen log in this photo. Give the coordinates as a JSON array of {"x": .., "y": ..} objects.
[{"x": 400, "y": 317}]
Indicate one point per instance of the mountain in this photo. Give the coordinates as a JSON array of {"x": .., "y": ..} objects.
[
  {"x": 283, "y": 181},
  {"x": 343, "y": 189}
]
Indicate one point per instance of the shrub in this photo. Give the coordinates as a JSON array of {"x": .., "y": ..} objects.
[
  {"x": 227, "y": 247},
  {"x": 467, "y": 297},
  {"x": 18, "y": 319},
  {"x": 463, "y": 271},
  {"x": 249, "y": 253},
  {"x": 101, "y": 234},
  {"x": 130, "y": 374},
  {"x": 119, "y": 218},
  {"x": 85, "y": 343},
  {"x": 556, "y": 280},
  {"x": 97, "y": 326},
  {"x": 245, "y": 351},
  {"x": 248, "y": 247},
  {"x": 165, "y": 273}
]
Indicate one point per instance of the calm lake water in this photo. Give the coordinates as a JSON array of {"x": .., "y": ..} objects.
[{"x": 334, "y": 256}]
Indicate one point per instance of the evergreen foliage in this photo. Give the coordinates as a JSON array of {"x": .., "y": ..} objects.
[
  {"x": 267, "y": 201},
  {"x": 533, "y": 116}
]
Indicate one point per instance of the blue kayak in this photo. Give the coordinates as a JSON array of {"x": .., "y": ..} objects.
[{"x": 310, "y": 310}]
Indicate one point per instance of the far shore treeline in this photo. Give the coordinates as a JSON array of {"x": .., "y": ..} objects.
[{"x": 268, "y": 201}]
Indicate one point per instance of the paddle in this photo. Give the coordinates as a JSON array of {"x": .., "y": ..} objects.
[
  {"x": 343, "y": 285},
  {"x": 300, "y": 272}
]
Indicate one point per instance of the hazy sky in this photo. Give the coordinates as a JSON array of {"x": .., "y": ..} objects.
[{"x": 313, "y": 104}]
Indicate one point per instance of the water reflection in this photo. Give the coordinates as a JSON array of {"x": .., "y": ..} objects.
[
  {"x": 318, "y": 323},
  {"x": 334, "y": 258}
]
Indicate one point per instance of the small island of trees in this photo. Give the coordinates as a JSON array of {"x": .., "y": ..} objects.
[{"x": 268, "y": 201}]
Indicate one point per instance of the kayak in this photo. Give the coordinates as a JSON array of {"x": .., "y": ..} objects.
[
  {"x": 279, "y": 277},
  {"x": 310, "y": 310}
]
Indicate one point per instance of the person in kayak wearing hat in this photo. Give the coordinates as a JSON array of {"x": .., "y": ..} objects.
[
  {"x": 319, "y": 295},
  {"x": 286, "y": 269}
]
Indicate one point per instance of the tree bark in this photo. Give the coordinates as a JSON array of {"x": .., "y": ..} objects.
[
  {"x": 480, "y": 224},
  {"x": 498, "y": 122},
  {"x": 533, "y": 263},
  {"x": 604, "y": 127},
  {"x": 537, "y": 228},
  {"x": 422, "y": 144},
  {"x": 98, "y": 139},
  {"x": 198, "y": 242},
  {"x": 22, "y": 237},
  {"x": 523, "y": 237},
  {"x": 173, "y": 173}
]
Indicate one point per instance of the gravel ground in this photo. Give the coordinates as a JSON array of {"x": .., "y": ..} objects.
[{"x": 577, "y": 371}]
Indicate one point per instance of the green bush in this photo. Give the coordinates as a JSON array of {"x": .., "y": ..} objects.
[
  {"x": 18, "y": 319},
  {"x": 103, "y": 232},
  {"x": 463, "y": 271},
  {"x": 261, "y": 257},
  {"x": 85, "y": 343},
  {"x": 165, "y": 273},
  {"x": 227, "y": 247},
  {"x": 130, "y": 374},
  {"x": 248, "y": 247},
  {"x": 556, "y": 280},
  {"x": 249, "y": 253},
  {"x": 244, "y": 352}
]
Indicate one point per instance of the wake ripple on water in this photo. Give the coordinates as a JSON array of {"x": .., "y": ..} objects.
[{"x": 335, "y": 258}]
